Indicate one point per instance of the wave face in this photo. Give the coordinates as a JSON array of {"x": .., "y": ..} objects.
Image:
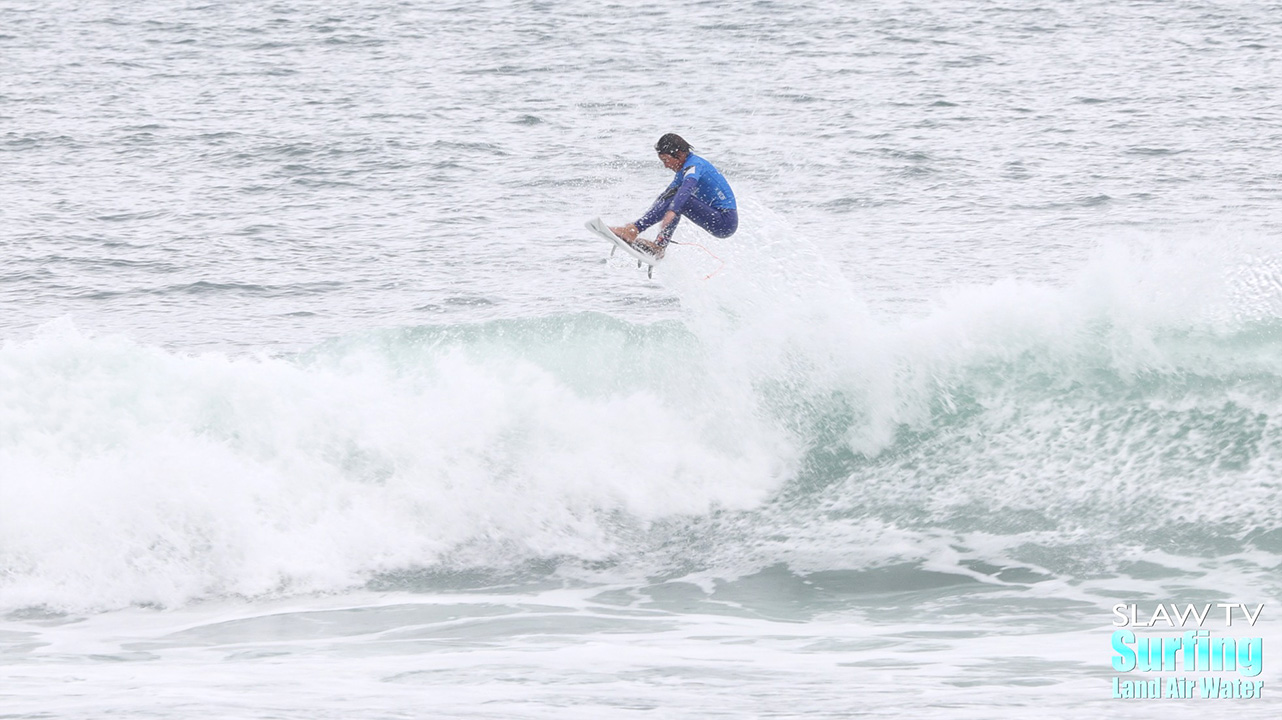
[{"x": 1106, "y": 424}]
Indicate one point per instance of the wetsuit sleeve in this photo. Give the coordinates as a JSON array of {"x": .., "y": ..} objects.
[{"x": 688, "y": 184}]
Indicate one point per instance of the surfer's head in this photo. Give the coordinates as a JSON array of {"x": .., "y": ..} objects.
[{"x": 672, "y": 149}]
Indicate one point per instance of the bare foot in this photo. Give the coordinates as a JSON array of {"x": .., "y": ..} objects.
[
  {"x": 627, "y": 232},
  {"x": 650, "y": 247}
]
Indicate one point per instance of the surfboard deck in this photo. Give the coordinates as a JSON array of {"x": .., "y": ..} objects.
[{"x": 598, "y": 226}]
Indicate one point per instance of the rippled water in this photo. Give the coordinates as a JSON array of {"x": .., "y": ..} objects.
[{"x": 317, "y": 400}]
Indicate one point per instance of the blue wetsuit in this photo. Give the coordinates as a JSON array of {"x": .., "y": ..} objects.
[{"x": 700, "y": 193}]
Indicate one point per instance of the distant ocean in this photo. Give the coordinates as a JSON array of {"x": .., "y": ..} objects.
[{"x": 318, "y": 401}]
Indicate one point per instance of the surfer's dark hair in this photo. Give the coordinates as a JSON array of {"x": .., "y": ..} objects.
[{"x": 672, "y": 144}]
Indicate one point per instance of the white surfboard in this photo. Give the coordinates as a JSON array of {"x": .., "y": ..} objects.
[{"x": 597, "y": 226}]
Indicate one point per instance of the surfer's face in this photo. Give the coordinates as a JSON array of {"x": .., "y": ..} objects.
[{"x": 670, "y": 162}]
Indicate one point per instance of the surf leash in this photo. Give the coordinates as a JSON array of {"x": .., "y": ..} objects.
[{"x": 710, "y": 254}]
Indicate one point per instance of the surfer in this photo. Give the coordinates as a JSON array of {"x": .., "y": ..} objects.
[{"x": 698, "y": 192}]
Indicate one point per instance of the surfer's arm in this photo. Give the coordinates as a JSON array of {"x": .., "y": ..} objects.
[
  {"x": 679, "y": 200},
  {"x": 689, "y": 179}
]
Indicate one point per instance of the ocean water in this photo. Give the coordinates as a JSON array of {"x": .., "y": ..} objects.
[{"x": 318, "y": 401}]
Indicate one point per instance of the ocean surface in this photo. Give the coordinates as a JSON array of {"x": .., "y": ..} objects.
[{"x": 317, "y": 400}]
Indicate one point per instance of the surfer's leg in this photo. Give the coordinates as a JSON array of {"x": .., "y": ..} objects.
[
  {"x": 721, "y": 222},
  {"x": 665, "y": 235}
]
